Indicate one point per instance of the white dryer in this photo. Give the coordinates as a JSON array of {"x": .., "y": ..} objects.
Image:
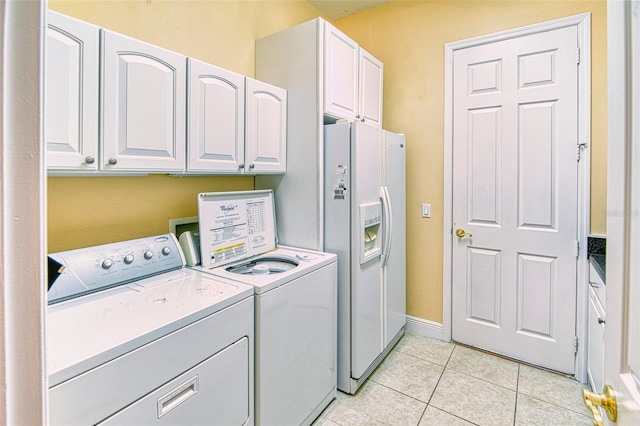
[
  {"x": 295, "y": 304},
  {"x": 135, "y": 338}
]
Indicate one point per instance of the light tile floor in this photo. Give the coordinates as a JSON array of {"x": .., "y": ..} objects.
[{"x": 426, "y": 382}]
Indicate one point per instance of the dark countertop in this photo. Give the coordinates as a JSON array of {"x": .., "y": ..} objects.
[{"x": 599, "y": 262}]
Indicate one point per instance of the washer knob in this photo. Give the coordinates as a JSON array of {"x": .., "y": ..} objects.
[
  {"x": 128, "y": 259},
  {"x": 106, "y": 264},
  {"x": 166, "y": 250},
  {"x": 148, "y": 254}
]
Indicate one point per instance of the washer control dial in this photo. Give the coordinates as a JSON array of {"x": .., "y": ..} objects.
[
  {"x": 166, "y": 250},
  {"x": 128, "y": 259},
  {"x": 148, "y": 254},
  {"x": 106, "y": 263}
]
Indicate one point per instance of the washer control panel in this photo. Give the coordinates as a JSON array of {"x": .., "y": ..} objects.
[{"x": 77, "y": 272}]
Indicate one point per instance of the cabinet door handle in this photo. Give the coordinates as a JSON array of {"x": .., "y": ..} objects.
[
  {"x": 241, "y": 166},
  {"x": 89, "y": 160},
  {"x": 251, "y": 166},
  {"x": 113, "y": 161},
  {"x": 601, "y": 321}
]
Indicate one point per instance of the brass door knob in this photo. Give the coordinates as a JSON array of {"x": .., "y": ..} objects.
[
  {"x": 461, "y": 233},
  {"x": 606, "y": 400}
]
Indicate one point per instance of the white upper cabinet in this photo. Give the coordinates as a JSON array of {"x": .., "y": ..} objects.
[
  {"x": 236, "y": 124},
  {"x": 352, "y": 79},
  {"x": 370, "y": 89},
  {"x": 341, "y": 74},
  {"x": 266, "y": 128},
  {"x": 144, "y": 106},
  {"x": 117, "y": 104},
  {"x": 321, "y": 69},
  {"x": 215, "y": 140},
  {"x": 71, "y": 93}
]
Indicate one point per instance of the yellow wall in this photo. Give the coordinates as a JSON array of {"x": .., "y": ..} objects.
[{"x": 408, "y": 36}]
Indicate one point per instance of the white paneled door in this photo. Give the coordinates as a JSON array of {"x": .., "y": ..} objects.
[{"x": 515, "y": 197}]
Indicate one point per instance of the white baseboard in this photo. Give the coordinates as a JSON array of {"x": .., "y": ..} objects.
[{"x": 424, "y": 327}]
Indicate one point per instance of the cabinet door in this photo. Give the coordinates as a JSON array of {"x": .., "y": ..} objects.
[
  {"x": 595, "y": 349},
  {"x": 266, "y": 128},
  {"x": 144, "y": 97},
  {"x": 216, "y": 119},
  {"x": 71, "y": 93},
  {"x": 340, "y": 74},
  {"x": 370, "y": 110}
]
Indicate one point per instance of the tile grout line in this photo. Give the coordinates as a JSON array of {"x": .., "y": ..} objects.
[
  {"x": 436, "y": 386},
  {"x": 455, "y": 345},
  {"x": 554, "y": 404},
  {"x": 451, "y": 368},
  {"x": 422, "y": 359},
  {"x": 515, "y": 407},
  {"x": 437, "y": 383},
  {"x": 444, "y": 367}
]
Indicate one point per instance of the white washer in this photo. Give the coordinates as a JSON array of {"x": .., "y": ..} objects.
[
  {"x": 295, "y": 304},
  {"x": 135, "y": 338}
]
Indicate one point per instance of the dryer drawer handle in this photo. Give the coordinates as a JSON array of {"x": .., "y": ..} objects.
[{"x": 177, "y": 396}]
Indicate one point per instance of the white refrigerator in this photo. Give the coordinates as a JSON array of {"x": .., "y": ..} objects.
[{"x": 364, "y": 224}]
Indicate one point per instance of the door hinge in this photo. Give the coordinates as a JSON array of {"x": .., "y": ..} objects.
[
  {"x": 578, "y": 56},
  {"x": 579, "y": 148},
  {"x": 575, "y": 344},
  {"x": 577, "y": 248}
]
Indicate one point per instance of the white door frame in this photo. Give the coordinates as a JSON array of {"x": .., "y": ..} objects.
[
  {"x": 583, "y": 24},
  {"x": 23, "y": 215},
  {"x": 623, "y": 137}
]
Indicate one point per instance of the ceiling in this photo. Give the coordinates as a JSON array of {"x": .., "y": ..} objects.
[{"x": 336, "y": 9}]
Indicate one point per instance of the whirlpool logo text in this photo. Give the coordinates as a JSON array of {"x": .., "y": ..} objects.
[{"x": 229, "y": 208}]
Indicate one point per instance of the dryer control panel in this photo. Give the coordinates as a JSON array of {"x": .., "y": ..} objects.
[{"x": 77, "y": 272}]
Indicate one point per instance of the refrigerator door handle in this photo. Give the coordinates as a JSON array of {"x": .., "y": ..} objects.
[{"x": 388, "y": 224}]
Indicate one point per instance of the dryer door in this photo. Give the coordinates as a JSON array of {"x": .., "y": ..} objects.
[{"x": 214, "y": 391}]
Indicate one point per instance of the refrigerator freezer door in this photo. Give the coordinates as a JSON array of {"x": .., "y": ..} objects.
[
  {"x": 352, "y": 179},
  {"x": 366, "y": 291},
  {"x": 337, "y": 226},
  {"x": 394, "y": 272}
]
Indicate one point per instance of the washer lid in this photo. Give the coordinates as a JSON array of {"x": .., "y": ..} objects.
[{"x": 235, "y": 226}]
